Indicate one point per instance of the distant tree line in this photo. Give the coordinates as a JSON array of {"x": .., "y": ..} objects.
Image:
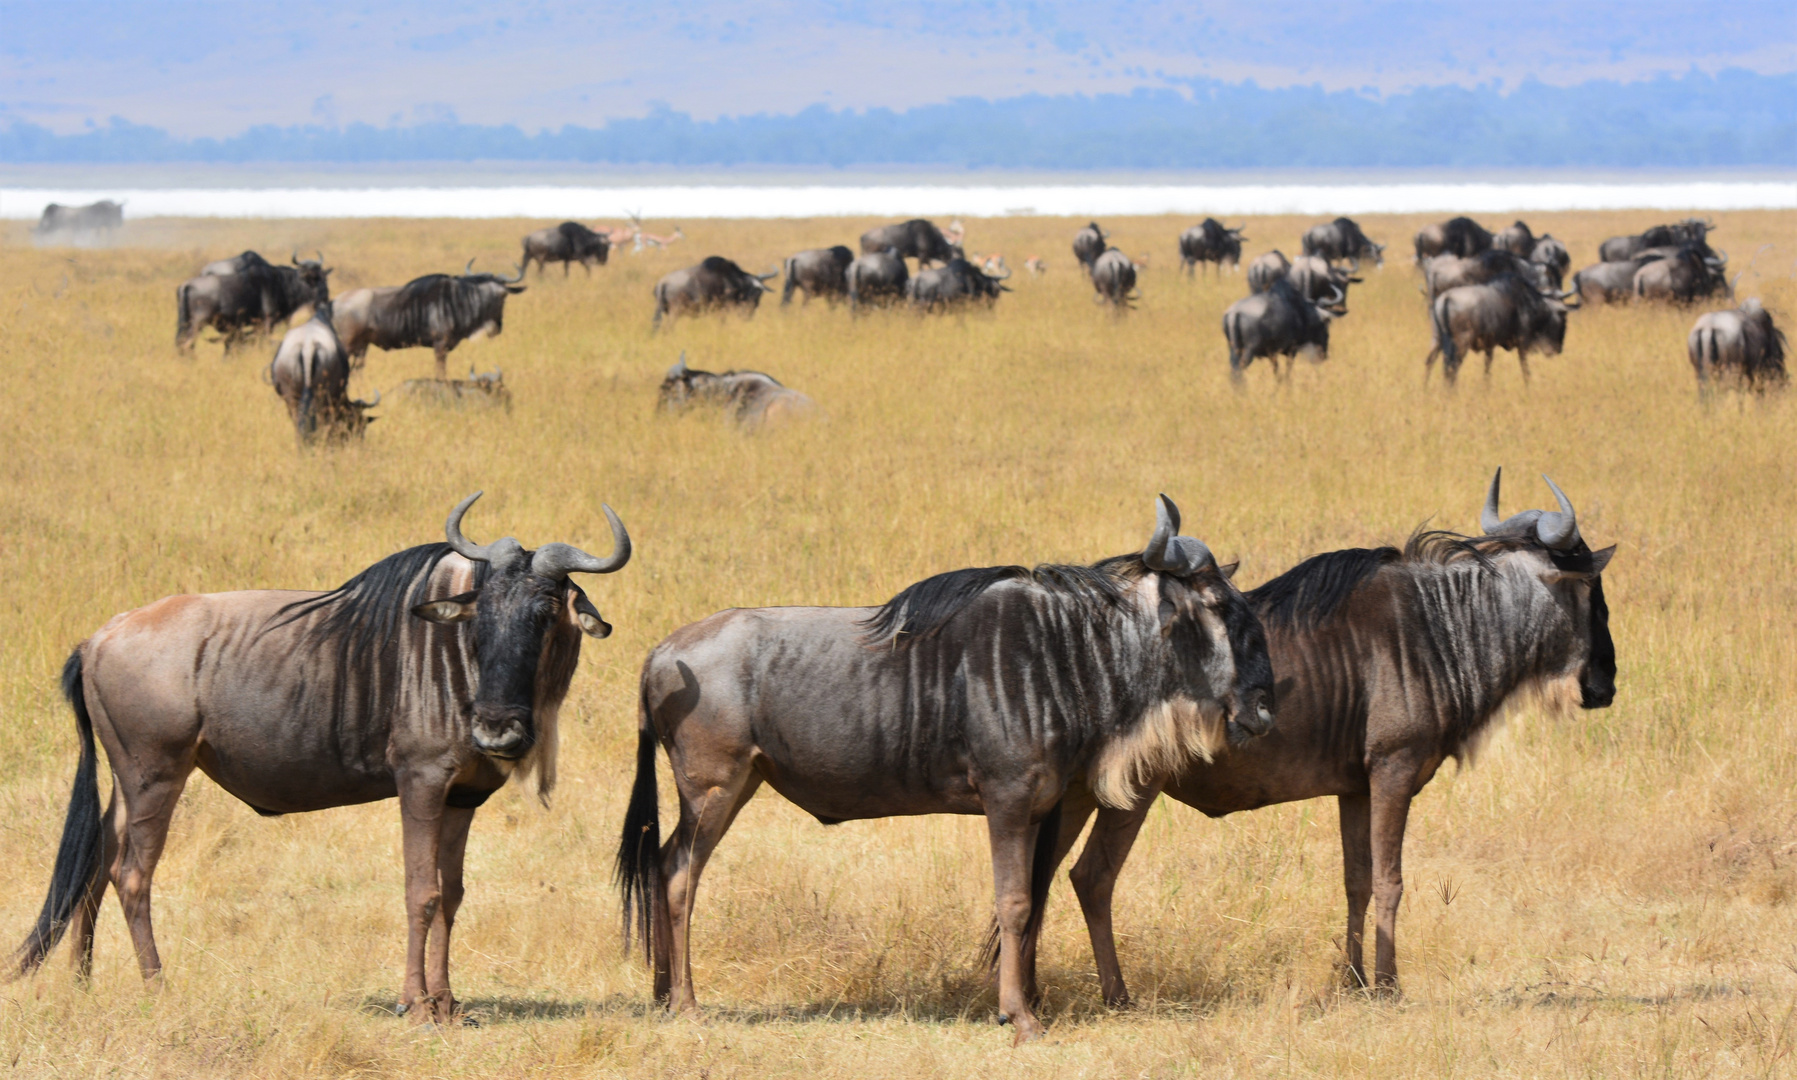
[{"x": 1731, "y": 118}]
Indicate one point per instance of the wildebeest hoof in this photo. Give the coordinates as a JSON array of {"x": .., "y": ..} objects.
[{"x": 1027, "y": 1033}]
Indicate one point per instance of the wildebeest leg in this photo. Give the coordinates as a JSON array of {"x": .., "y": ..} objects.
[
  {"x": 703, "y": 822},
  {"x": 1488, "y": 358},
  {"x": 1522, "y": 357},
  {"x": 1392, "y": 787},
  {"x": 81, "y": 924},
  {"x": 1357, "y": 877},
  {"x": 1012, "y": 837},
  {"x": 1095, "y": 881},
  {"x": 566, "y": 268},
  {"x": 421, "y": 816},
  {"x": 453, "y": 844},
  {"x": 149, "y": 807},
  {"x": 1076, "y": 806},
  {"x": 442, "y": 350}
]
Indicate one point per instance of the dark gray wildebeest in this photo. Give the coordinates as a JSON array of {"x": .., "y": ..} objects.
[
  {"x": 246, "y": 296},
  {"x": 1444, "y": 272},
  {"x": 567, "y": 243},
  {"x": 436, "y": 311},
  {"x": 1677, "y": 234},
  {"x": 1210, "y": 242},
  {"x": 1088, "y": 245},
  {"x": 1608, "y": 282},
  {"x": 980, "y": 691},
  {"x": 1389, "y": 662},
  {"x": 1316, "y": 280},
  {"x": 1114, "y": 279},
  {"x": 1267, "y": 268},
  {"x": 877, "y": 278},
  {"x": 1518, "y": 240},
  {"x": 953, "y": 285},
  {"x": 1684, "y": 276},
  {"x": 1553, "y": 258},
  {"x": 750, "y": 398},
  {"x": 79, "y": 224},
  {"x": 1460, "y": 236},
  {"x": 713, "y": 283},
  {"x": 819, "y": 272},
  {"x": 915, "y": 239},
  {"x": 434, "y": 675},
  {"x": 1342, "y": 241},
  {"x": 310, "y": 372},
  {"x": 1278, "y": 322},
  {"x": 1742, "y": 344},
  {"x": 1507, "y": 312}
]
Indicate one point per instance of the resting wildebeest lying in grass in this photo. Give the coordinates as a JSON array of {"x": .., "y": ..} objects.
[
  {"x": 476, "y": 391},
  {"x": 434, "y": 675},
  {"x": 751, "y": 398},
  {"x": 1742, "y": 344},
  {"x": 1388, "y": 663},
  {"x": 980, "y": 691},
  {"x": 310, "y": 372}
]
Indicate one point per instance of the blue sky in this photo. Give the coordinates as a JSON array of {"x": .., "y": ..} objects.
[{"x": 217, "y": 68}]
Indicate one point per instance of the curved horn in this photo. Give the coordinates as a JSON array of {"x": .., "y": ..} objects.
[
  {"x": 296, "y": 261},
  {"x": 1558, "y": 530},
  {"x": 679, "y": 368},
  {"x": 499, "y": 554},
  {"x": 558, "y": 560},
  {"x": 515, "y": 278},
  {"x": 1167, "y": 551},
  {"x": 1488, "y": 517},
  {"x": 320, "y": 255},
  {"x": 371, "y": 404},
  {"x": 469, "y": 269}
]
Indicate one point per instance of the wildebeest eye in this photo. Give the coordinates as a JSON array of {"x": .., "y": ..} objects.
[{"x": 445, "y": 612}]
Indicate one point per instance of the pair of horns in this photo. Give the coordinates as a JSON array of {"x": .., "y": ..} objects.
[
  {"x": 1557, "y": 530},
  {"x": 555, "y": 560},
  {"x": 1169, "y": 552},
  {"x": 678, "y": 371}
]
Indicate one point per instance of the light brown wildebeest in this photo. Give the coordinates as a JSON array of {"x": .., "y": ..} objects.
[
  {"x": 1743, "y": 343},
  {"x": 751, "y": 398}
]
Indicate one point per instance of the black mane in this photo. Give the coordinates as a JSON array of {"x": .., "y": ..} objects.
[
  {"x": 363, "y": 614},
  {"x": 926, "y": 607},
  {"x": 1311, "y": 591}
]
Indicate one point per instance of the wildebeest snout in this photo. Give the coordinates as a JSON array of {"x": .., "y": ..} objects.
[
  {"x": 502, "y": 731},
  {"x": 1253, "y": 716}
]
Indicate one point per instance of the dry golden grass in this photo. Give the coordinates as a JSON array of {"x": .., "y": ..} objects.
[{"x": 1611, "y": 895}]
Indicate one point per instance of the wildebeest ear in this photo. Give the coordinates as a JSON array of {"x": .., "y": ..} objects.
[
  {"x": 1228, "y": 570},
  {"x": 1601, "y": 559},
  {"x": 514, "y": 289},
  {"x": 444, "y": 612},
  {"x": 591, "y": 624}
]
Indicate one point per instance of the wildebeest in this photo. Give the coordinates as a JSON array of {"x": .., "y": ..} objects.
[
  {"x": 1553, "y": 258},
  {"x": 1210, "y": 242},
  {"x": 915, "y": 239},
  {"x": 1683, "y": 276},
  {"x": 567, "y": 243},
  {"x": 1341, "y": 240},
  {"x": 1742, "y": 343},
  {"x": 819, "y": 272},
  {"x": 82, "y": 224},
  {"x": 1316, "y": 280},
  {"x": 1518, "y": 240},
  {"x": 1444, "y": 272},
  {"x": 436, "y": 311},
  {"x": 1388, "y": 662},
  {"x": 1608, "y": 282},
  {"x": 953, "y": 284},
  {"x": 1507, "y": 312},
  {"x": 1114, "y": 279},
  {"x": 246, "y": 295},
  {"x": 297, "y": 701},
  {"x": 979, "y": 691},
  {"x": 1677, "y": 234},
  {"x": 1267, "y": 267},
  {"x": 1460, "y": 236},
  {"x": 713, "y": 283},
  {"x": 1278, "y": 322},
  {"x": 310, "y": 372},
  {"x": 751, "y": 398},
  {"x": 485, "y": 390},
  {"x": 878, "y": 277},
  {"x": 1088, "y": 245}
]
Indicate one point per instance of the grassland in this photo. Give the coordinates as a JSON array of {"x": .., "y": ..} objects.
[{"x": 1606, "y": 896}]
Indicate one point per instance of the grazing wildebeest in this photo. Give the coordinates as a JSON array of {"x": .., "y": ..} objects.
[
  {"x": 1683, "y": 276},
  {"x": 310, "y": 372},
  {"x": 1457, "y": 236},
  {"x": 1553, "y": 258},
  {"x": 1114, "y": 279},
  {"x": 1278, "y": 322},
  {"x": 82, "y": 223},
  {"x": 567, "y": 243},
  {"x": 436, "y": 311},
  {"x": 1267, "y": 268},
  {"x": 1088, "y": 245},
  {"x": 1518, "y": 240},
  {"x": 1210, "y": 242},
  {"x": 915, "y": 239},
  {"x": 1742, "y": 342},
  {"x": 879, "y": 277},
  {"x": 958, "y": 282},
  {"x": 1507, "y": 312},
  {"x": 1316, "y": 280},
  {"x": 246, "y": 295},
  {"x": 1388, "y": 662},
  {"x": 1678, "y": 234},
  {"x": 1444, "y": 272},
  {"x": 751, "y": 398},
  {"x": 715, "y": 282},
  {"x": 980, "y": 691},
  {"x": 296, "y": 701},
  {"x": 820, "y": 272},
  {"x": 1608, "y": 282},
  {"x": 1340, "y": 240}
]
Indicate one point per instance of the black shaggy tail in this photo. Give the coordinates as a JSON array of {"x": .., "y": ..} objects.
[
  {"x": 639, "y": 849},
  {"x": 78, "y": 858},
  {"x": 1042, "y": 868},
  {"x": 183, "y": 315}
]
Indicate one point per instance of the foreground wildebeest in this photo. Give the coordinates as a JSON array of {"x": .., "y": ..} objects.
[
  {"x": 915, "y": 239},
  {"x": 1678, "y": 234},
  {"x": 1278, "y": 322},
  {"x": 1210, "y": 242},
  {"x": 80, "y": 223},
  {"x": 436, "y": 311},
  {"x": 715, "y": 282},
  {"x": 1743, "y": 343},
  {"x": 1518, "y": 240},
  {"x": 1267, "y": 268},
  {"x": 567, "y": 243},
  {"x": 296, "y": 701},
  {"x": 953, "y": 284},
  {"x": 1553, "y": 258},
  {"x": 751, "y": 398},
  {"x": 1114, "y": 279},
  {"x": 246, "y": 295},
  {"x": 1316, "y": 280},
  {"x": 1088, "y": 245},
  {"x": 1340, "y": 240},
  {"x": 878, "y": 277},
  {"x": 819, "y": 272},
  {"x": 1683, "y": 276},
  {"x": 310, "y": 372},
  {"x": 1444, "y": 272},
  {"x": 1389, "y": 662},
  {"x": 1460, "y": 236},
  {"x": 980, "y": 691},
  {"x": 1507, "y": 312}
]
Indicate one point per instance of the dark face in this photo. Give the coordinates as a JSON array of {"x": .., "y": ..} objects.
[
  {"x": 1247, "y": 695},
  {"x": 1597, "y": 680}
]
